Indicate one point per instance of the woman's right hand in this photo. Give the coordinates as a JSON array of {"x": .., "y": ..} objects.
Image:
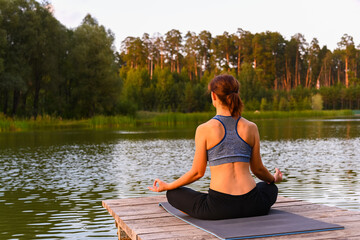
[
  {"x": 278, "y": 175},
  {"x": 159, "y": 186}
]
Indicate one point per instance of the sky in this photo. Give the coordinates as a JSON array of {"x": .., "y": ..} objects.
[{"x": 327, "y": 20}]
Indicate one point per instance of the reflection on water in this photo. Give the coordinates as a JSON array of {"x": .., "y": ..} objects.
[{"x": 52, "y": 182}]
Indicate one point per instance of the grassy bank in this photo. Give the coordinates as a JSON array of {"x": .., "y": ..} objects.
[
  {"x": 151, "y": 118},
  {"x": 41, "y": 122},
  {"x": 297, "y": 114}
]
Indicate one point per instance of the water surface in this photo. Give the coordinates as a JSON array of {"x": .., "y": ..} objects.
[{"x": 52, "y": 182}]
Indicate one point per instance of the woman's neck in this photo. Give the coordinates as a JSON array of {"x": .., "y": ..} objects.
[{"x": 223, "y": 111}]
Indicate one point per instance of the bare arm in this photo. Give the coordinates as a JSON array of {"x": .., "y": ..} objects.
[
  {"x": 256, "y": 164},
  {"x": 197, "y": 170}
]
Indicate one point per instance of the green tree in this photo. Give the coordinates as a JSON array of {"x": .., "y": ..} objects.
[
  {"x": 173, "y": 43},
  {"x": 96, "y": 85},
  {"x": 205, "y": 40},
  {"x": 347, "y": 45},
  {"x": 192, "y": 49},
  {"x": 32, "y": 52},
  {"x": 223, "y": 48},
  {"x": 312, "y": 56}
]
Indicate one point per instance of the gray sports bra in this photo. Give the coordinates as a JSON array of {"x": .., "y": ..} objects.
[{"x": 232, "y": 148}]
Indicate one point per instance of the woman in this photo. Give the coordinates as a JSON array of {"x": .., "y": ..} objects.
[{"x": 231, "y": 145}]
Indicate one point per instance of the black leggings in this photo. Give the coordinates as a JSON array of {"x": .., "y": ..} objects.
[{"x": 216, "y": 205}]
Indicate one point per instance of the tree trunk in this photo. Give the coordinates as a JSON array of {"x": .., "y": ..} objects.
[
  {"x": 15, "y": 102},
  {"x": 325, "y": 76},
  {"x": 196, "y": 70},
  {"x": 346, "y": 72},
  {"x": 228, "y": 61},
  {"x": 318, "y": 78},
  {"x": 276, "y": 76},
  {"x": 238, "y": 61},
  {"x": 151, "y": 68},
  {"x": 296, "y": 68},
  {"x": 161, "y": 61},
  {"x": 6, "y": 100},
  {"x": 36, "y": 97},
  {"x": 205, "y": 62},
  {"x": 178, "y": 65},
  {"x": 288, "y": 76},
  {"x": 284, "y": 82},
  {"x": 308, "y": 74},
  {"x": 148, "y": 63},
  {"x": 23, "y": 102},
  {"x": 357, "y": 56}
]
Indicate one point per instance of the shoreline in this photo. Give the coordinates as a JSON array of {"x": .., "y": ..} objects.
[{"x": 144, "y": 118}]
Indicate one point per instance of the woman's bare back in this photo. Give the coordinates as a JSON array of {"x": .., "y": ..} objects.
[{"x": 231, "y": 178}]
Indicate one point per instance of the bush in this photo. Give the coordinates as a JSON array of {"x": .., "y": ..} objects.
[
  {"x": 264, "y": 105},
  {"x": 283, "y": 104},
  {"x": 317, "y": 102},
  {"x": 252, "y": 105},
  {"x": 275, "y": 104},
  {"x": 125, "y": 107}
]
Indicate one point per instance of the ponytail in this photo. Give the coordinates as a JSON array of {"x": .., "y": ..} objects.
[{"x": 235, "y": 104}]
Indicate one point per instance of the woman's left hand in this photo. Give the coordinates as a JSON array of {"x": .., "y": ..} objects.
[
  {"x": 159, "y": 186},
  {"x": 278, "y": 175}
]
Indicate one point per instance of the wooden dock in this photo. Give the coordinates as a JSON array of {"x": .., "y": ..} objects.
[{"x": 143, "y": 219}]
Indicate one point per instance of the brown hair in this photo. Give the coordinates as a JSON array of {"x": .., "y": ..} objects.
[{"x": 226, "y": 87}]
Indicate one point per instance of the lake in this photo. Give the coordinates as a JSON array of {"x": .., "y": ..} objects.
[{"x": 52, "y": 182}]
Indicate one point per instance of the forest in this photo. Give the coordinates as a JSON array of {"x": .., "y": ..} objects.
[{"x": 48, "y": 69}]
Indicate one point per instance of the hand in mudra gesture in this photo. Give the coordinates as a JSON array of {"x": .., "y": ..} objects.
[
  {"x": 158, "y": 186},
  {"x": 278, "y": 175}
]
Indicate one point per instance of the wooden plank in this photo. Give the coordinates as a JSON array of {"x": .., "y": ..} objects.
[
  {"x": 142, "y": 218},
  {"x": 181, "y": 235},
  {"x": 137, "y": 210},
  {"x": 183, "y": 231},
  {"x": 137, "y": 200},
  {"x": 146, "y": 216},
  {"x": 169, "y": 220},
  {"x": 169, "y": 225}
]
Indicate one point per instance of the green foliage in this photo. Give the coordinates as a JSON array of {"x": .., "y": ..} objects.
[
  {"x": 317, "y": 102},
  {"x": 110, "y": 121},
  {"x": 252, "y": 105},
  {"x": 150, "y": 119},
  {"x": 296, "y": 114},
  {"x": 306, "y": 104},
  {"x": 97, "y": 85},
  {"x": 275, "y": 103},
  {"x": 264, "y": 105},
  {"x": 124, "y": 108},
  {"x": 49, "y": 70},
  {"x": 283, "y": 104}
]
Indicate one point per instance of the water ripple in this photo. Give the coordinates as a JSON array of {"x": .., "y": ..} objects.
[{"x": 54, "y": 189}]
